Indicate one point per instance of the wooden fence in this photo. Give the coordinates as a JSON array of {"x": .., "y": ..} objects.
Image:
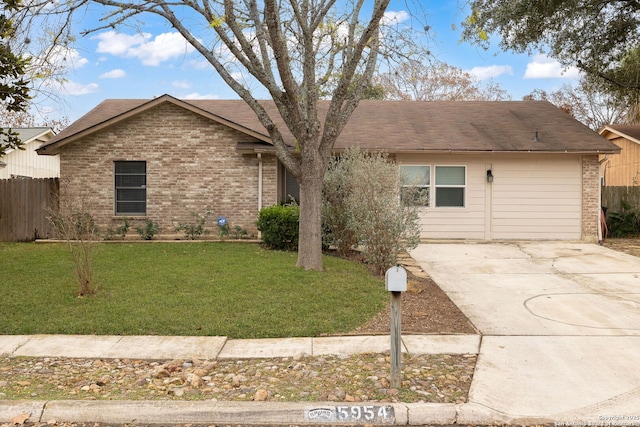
[
  {"x": 612, "y": 197},
  {"x": 23, "y": 208}
]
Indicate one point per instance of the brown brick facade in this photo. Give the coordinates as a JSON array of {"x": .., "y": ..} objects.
[
  {"x": 590, "y": 197},
  {"x": 192, "y": 163}
]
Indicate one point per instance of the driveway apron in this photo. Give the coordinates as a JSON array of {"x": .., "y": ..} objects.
[{"x": 560, "y": 324}]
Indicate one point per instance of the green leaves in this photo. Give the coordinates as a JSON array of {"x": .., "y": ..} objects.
[{"x": 14, "y": 90}]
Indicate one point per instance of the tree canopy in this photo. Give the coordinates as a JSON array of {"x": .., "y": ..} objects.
[
  {"x": 602, "y": 37},
  {"x": 14, "y": 90}
]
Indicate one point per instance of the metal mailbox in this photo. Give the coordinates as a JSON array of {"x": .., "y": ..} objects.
[{"x": 395, "y": 279}]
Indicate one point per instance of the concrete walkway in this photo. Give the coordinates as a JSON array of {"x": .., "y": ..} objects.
[{"x": 560, "y": 324}]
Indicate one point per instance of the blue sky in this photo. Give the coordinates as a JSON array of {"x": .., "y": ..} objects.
[{"x": 126, "y": 63}]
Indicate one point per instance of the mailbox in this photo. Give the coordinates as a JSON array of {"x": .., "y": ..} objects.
[{"x": 395, "y": 279}]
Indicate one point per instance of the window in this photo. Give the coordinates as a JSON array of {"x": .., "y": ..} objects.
[
  {"x": 291, "y": 187},
  {"x": 131, "y": 188},
  {"x": 450, "y": 183},
  {"x": 415, "y": 182}
]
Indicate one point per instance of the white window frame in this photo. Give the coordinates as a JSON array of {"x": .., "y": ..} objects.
[
  {"x": 436, "y": 186},
  {"x": 428, "y": 186}
]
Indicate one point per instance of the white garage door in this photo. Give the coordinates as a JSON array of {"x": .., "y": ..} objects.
[{"x": 536, "y": 198}]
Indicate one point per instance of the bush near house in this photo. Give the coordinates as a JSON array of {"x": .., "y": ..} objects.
[
  {"x": 279, "y": 226},
  {"x": 363, "y": 207},
  {"x": 625, "y": 223}
]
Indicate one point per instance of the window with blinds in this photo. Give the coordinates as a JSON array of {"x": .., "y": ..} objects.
[{"x": 131, "y": 188}]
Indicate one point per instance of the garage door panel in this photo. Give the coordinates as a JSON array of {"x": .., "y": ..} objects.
[
  {"x": 537, "y": 199},
  {"x": 510, "y": 197}
]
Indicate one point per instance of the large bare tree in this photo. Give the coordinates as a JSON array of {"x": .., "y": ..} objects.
[
  {"x": 436, "y": 81},
  {"x": 586, "y": 103},
  {"x": 298, "y": 50}
]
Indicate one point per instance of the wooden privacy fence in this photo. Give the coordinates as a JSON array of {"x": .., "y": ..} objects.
[
  {"x": 23, "y": 208},
  {"x": 612, "y": 197}
]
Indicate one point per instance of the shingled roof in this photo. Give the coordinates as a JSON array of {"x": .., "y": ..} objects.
[
  {"x": 392, "y": 126},
  {"x": 631, "y": 132}
]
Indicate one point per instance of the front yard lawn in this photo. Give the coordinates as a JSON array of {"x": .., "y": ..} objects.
[{"x": 237, "y": 290}]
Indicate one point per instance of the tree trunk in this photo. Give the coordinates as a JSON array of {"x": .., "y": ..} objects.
[{"x": 310, "y": 231}]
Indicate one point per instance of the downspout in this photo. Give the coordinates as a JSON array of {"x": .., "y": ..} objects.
[{"x": 600, "y": 211}]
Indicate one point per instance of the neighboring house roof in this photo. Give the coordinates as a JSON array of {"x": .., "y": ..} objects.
[
  {"x": 28, "y": 135},
  {"x": 630, "y": 132},
  {"x": 393, "y": 126}
]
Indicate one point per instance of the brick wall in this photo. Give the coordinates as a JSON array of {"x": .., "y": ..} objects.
[
  {"x": 590, "y": 197},
  {"x": 192, "y": 163}
]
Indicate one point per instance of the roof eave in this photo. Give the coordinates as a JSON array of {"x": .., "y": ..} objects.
[{"x": 607, "y": 130}]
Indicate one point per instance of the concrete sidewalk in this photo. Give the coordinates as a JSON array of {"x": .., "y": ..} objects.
[
  {"x": 235, "y": 413},
  {"x": 211, "y": 348}
]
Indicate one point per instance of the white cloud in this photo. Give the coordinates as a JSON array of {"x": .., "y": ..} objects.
[
  {"x": 181, "y": 84},
  {"x": 543, "y": 67},
  {"x": 196, "y": 95},
  {"x": 150, "y": 51},
  {"x": 60, "y": 59},
  {"x": 198, "y": 64},
  {"x": 114, "y": 74},
  {"x": 118, "y": 44},
  {"x": 76, "y": 89},
  {"x": 491, "y": 71},
  {"x": 391, "y": 17}
]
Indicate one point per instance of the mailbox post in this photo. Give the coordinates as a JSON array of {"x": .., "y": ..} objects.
[{"x": 395, "y": 280}]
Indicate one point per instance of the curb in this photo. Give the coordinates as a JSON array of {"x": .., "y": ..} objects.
[{"x": 256, "y": 413}]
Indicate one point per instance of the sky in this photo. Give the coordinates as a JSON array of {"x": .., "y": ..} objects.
[{"x": 155, "y": 60}]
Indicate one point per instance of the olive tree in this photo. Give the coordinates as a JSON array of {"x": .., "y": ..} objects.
[
  {"x": 298, "y": 51},
  {"x": 363, "y": 208}
]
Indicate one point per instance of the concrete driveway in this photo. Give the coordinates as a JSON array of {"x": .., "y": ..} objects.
[
  {"x": 538, "y": 288},
  {"x": 560, "y": 324}
]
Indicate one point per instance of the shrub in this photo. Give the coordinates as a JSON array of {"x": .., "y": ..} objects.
[
  {"x": 625, "y": 223},
  {"x": 194, "y": 230},
  {"x": 362, "y": 206},
  {"x": 239, "y": 233},
  {"x": 336, "y": 213},
  {"x": 149, "y": 230},
  {"x": 279, "y": 226},
  {"x": 121, "y": 231},
  {"x": 73, "y": 223}
]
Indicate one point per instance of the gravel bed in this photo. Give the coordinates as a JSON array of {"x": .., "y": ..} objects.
[{"x": 358, "y": 378}]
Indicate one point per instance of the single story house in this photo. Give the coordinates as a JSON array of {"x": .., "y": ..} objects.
[
  {"x": 492, "y": 170},
  {"x": 622, "y": 169},
  {"x": 26, "y": 163}
]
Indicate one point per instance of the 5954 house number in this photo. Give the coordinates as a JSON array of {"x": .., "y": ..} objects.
[{"x": 368, "y": 414}]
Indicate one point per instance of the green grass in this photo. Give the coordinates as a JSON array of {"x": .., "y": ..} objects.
[{"x": 237, "y": 290}]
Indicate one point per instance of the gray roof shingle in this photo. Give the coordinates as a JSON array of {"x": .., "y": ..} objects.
[{"x": 394, "y": 126}]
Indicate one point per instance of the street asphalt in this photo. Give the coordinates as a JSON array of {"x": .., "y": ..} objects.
[{"x": 559, "y": 343}]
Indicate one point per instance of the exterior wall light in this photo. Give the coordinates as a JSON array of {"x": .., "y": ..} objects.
[{"x": 489, "y": 176}]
